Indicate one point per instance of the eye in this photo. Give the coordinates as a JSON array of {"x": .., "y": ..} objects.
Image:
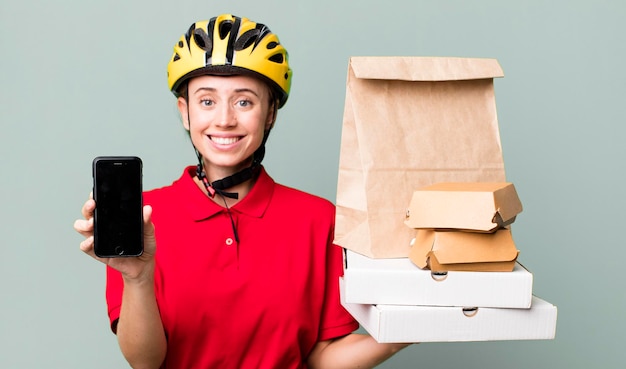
[
  {"x": 244, "y": 103},
  {"x": 206, "y": 102}
]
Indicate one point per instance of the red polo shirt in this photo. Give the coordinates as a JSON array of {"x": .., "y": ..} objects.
[{"x": 262, "y": 302}]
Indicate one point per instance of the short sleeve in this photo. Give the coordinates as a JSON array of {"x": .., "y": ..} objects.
[
  {"x": 114, "y": 289},
  {"x": 336, "y": 321}
]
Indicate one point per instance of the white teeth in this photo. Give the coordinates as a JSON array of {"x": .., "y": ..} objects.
[{"x": 224, "y": 140}]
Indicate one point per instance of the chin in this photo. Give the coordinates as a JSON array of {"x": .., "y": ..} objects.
[{"x": 229, "y": 165}]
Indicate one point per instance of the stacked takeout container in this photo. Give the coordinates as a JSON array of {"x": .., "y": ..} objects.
[
  {"x": 424, "y": 211},
  {"x": 464, "y": 226}
]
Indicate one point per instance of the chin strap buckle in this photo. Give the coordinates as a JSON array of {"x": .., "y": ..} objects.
[
  {"x": 205, "y": 181},
  {"x": 216, "y": 187}
]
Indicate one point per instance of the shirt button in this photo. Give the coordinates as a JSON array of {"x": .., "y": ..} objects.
[{"x": 229, "y": 241}]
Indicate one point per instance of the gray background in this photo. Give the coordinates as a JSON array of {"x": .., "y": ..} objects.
[{"x": 86, "y": 78}]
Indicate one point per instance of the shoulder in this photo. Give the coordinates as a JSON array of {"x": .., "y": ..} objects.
[
  {"x": 159, "y": 192},
  {"x": 302, "y": 196},
  {"x": 160, "y": 195},
  {"x": 293, "y": 198},
  {"x": 288, "y": 198},
  {"x": 172, "y": 193}
]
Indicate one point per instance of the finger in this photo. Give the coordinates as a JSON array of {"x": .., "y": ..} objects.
[
  {"x": 88, "y": 208},
  {"x": 148, "y": 231},
  {"x": 84, "y": 226},
  {"x": 86, "y": 246},
  {"x": 147, "y": 219}
]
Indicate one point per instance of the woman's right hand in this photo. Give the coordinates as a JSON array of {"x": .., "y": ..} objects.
[
  {"x": 139, "y": 329},
  {"x": 132, "y": 268}
]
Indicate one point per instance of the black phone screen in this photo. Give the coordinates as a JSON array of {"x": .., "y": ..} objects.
[{"x": 118, "y": 217}]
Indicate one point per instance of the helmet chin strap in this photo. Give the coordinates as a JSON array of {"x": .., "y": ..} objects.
[{"x": 221, "y": 185}]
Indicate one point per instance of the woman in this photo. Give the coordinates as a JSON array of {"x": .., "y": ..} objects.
[{"x": 246, "y": 275}]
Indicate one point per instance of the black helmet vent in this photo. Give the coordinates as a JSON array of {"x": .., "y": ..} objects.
[
  {"x": 247, "y": 39},
  {"x": 277, "y": 58},
  {"x": 202, "y": 40},
  {"x": 225, "y": 28}
]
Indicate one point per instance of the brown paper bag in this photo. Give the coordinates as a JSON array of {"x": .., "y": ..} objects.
[{"x": 410, "y": 122}]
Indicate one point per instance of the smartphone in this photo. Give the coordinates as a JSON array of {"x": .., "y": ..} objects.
[{"x": 118, "y": 217}]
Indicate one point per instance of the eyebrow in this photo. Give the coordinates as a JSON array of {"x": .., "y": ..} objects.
[{"x": 238, "y": 90}]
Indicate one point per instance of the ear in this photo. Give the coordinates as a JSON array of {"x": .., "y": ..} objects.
[
  {"x": 271, "y": 116},
  {"x": 184, "y": 112}
]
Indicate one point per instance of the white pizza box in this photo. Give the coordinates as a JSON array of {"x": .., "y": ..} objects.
[
  {"x": 400, "y": 282},
  {"x": 402, "y": 323}
]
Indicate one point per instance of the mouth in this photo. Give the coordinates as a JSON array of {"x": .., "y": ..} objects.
[{"x": 224, "y": 140}]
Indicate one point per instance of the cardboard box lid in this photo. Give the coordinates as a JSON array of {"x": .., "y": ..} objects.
[
  {"x": 425, "y": 68},
  {"x": 399, "y": 281},
  {"x": 401, "y": 323},
  {"x": 478, "y": 206},
  {"x": 455, "y": 247}
]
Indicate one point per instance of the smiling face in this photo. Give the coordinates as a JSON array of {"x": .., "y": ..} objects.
[{"x": 226, "y": 117}]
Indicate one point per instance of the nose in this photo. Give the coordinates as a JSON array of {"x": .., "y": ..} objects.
[{"x": 225, "y": 116}]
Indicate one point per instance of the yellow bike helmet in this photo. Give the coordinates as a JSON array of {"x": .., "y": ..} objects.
[{"x": 227, "y": 45}]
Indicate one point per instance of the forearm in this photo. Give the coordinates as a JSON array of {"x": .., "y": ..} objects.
[
  {"x": 352, "y": 351},
  {"x": 139, "y": 330}
]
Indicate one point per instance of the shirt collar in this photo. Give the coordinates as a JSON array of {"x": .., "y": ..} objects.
[{"x": 201, "y": 207}]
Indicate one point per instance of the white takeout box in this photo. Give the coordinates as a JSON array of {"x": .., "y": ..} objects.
[
  {"x": 402, "y": 323},
  {"x": 400, "y": 282}
]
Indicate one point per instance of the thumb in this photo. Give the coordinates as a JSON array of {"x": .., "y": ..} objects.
[
  {"x": 148, "y": 231},
  {"x": 147, "y": 216}
]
